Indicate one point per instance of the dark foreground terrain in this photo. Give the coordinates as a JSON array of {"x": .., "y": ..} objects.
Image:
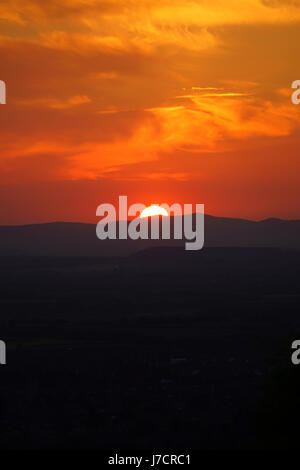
[{"x": 163, "y": 349}]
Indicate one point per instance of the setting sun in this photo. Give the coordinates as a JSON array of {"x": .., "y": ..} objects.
[{"x": 153, "y": 210}]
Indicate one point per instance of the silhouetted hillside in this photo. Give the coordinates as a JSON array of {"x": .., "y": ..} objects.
[{"x": 78, "y": 239}]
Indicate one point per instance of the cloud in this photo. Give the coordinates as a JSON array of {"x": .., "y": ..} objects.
[
  {"x": 37, "y": 10},
  {"x": 54, "y": 103},
  {"x": 145, "y": 25},
  {"x": 100, "y": 86},
  {"x": 206, "y": 125},
  {"x": 211, "y": 122}
]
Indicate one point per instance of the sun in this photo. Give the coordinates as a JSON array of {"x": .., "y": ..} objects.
[{"x": 153, "y": 210}]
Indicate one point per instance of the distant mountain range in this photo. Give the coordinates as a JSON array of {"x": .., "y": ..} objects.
[{"x": 79, "y": 239}]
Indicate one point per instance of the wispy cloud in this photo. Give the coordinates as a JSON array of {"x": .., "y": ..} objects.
[{"x": 55, "y": 103}]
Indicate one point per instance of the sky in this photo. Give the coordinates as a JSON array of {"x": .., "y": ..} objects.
[{"x": 161, "y": 100}]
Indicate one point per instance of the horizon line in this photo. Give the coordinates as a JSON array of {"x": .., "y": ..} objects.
[{"x": 132, "y": 218}]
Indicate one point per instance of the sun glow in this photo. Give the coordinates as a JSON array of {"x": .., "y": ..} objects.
[{"x": 153, "y": 210}]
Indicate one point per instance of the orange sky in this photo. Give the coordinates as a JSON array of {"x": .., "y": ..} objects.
[{"x": 162, "y": 100}]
